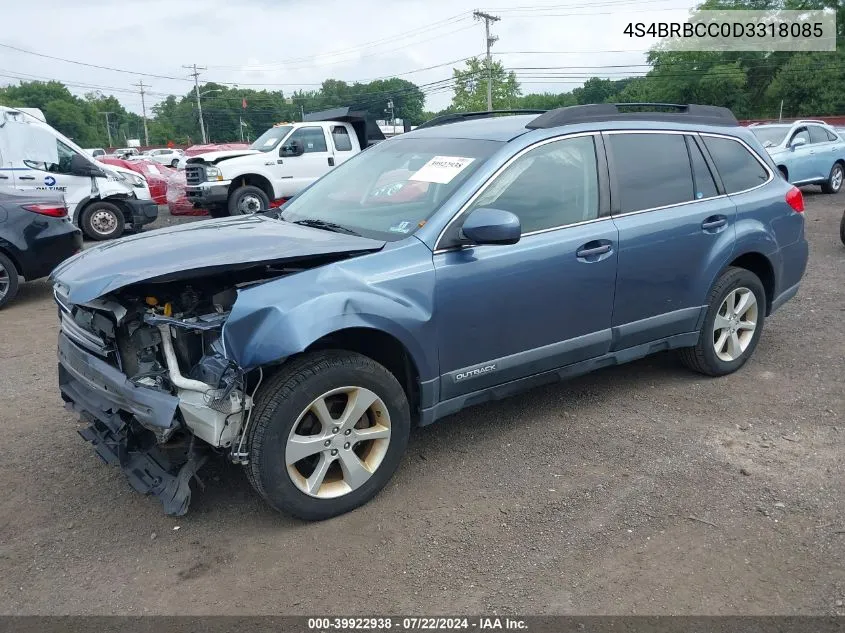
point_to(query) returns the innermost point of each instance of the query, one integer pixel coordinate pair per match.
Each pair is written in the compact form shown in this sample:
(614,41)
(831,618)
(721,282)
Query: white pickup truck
(279,164)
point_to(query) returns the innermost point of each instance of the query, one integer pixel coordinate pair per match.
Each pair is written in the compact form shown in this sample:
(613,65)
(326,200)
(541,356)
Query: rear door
(824,150)
(302,170)
(344,142)
(675,228)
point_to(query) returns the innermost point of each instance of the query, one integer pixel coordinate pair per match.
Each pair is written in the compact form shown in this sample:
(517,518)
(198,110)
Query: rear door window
(340,138)
(705,185)
(652,170)
(818,134)
(738,168)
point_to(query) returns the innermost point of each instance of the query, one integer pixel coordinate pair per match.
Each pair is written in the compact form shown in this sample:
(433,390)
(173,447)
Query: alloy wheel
(836,178)
(338,442)
(5,281)
(735,324)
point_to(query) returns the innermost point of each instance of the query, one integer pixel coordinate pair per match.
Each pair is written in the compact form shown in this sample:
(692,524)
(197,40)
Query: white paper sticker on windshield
(270,141)
(441,169)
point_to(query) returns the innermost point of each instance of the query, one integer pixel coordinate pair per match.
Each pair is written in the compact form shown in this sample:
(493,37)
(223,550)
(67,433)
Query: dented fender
(277,319)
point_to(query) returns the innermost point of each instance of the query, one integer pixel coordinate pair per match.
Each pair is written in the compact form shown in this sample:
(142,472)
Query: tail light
(53,210)
(795,199)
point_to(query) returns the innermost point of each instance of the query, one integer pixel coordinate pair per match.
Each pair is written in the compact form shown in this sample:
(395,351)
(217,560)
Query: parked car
(155,180)
(126,152)
(96,152)
(279,164)
(35,157)
(465,261)
(165,156)
(35,235)
(805,152)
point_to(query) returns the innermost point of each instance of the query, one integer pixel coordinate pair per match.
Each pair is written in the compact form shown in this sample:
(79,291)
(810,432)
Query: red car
(152,171)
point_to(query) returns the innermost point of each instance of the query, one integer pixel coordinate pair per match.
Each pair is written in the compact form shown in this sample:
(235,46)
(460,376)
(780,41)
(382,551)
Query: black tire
(248,192)
(218,212)
(834,180)
(842,228)
(95,213)
(287,394)
(174,163)
(703,358)
(9,280)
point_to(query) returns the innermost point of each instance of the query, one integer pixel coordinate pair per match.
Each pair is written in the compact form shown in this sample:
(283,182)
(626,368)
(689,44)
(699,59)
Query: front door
(507,312)
(801,161)
(300,171)
(39,176)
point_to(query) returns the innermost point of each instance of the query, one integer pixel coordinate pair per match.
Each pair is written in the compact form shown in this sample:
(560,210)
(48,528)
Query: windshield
(271,138)
(390,190)
(770,136)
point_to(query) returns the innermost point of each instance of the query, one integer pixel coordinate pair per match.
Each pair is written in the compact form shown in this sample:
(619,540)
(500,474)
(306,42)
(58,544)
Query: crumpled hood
(216,157)
(207,246)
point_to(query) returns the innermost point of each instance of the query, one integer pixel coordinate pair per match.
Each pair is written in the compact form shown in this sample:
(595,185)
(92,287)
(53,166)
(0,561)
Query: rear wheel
(327,433)
(834,180)
(247,200)
(9,281)
(732,325)
(174,163)
(102,221)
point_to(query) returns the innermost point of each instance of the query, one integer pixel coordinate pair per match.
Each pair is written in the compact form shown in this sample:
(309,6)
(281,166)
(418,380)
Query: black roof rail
(454,117)
(670,112)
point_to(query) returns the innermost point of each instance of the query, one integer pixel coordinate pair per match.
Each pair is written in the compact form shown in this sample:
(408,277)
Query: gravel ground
(642,489)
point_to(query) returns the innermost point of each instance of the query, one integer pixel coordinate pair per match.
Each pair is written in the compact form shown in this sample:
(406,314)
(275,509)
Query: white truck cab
(279,164)
(35,157)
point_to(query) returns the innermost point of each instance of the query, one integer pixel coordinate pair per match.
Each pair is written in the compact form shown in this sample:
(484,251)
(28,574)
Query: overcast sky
(292,44)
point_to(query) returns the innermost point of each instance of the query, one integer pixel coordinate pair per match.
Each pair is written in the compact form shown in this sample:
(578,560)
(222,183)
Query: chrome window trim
(496,174)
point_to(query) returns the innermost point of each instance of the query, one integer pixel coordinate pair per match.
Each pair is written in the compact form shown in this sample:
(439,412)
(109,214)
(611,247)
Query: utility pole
(196,76)
(392,112)
(491,39)
(140,85)
(108,127)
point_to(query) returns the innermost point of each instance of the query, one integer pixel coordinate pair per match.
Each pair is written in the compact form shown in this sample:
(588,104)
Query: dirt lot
(641,489)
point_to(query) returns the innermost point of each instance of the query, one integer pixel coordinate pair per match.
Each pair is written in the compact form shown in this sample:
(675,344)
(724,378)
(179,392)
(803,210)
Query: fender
(275,320)
(76,213)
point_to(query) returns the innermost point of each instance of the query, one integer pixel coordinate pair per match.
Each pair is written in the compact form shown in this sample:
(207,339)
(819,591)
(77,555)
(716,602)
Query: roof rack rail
(454,117)
(810,121)
(671,112)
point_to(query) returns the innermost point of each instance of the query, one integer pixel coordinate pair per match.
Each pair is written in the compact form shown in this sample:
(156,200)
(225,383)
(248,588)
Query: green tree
(471,87)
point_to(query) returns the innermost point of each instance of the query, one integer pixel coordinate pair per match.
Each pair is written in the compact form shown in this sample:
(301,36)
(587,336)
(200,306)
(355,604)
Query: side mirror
(293,148)
(80,166)
(797,142)
(491,226)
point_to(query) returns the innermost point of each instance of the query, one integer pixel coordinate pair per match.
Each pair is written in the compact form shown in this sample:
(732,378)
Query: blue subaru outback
(475,257)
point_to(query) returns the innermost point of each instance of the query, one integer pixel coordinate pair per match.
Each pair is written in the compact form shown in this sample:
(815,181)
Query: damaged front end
(146,370)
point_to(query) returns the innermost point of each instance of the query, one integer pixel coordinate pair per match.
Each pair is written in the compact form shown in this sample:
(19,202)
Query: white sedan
(169,157)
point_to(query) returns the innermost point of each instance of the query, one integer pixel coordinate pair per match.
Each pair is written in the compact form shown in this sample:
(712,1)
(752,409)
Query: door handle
(331,161)
(714,222)
(592,251)
(4,178)
(27,178)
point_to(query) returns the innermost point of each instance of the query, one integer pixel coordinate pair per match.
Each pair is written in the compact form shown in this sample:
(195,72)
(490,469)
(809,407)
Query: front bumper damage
(105,399)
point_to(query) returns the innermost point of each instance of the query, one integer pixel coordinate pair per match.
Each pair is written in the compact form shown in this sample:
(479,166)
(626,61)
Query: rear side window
(739,169)
(340,137)
(705,186)
(831,136)
(818,134)
(652,170)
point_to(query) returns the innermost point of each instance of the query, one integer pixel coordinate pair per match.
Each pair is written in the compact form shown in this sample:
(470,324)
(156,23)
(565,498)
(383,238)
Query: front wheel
(327,433)
(732,326)
(174,163)
(842,228)
(102,221)
(247,200)
(834,181)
